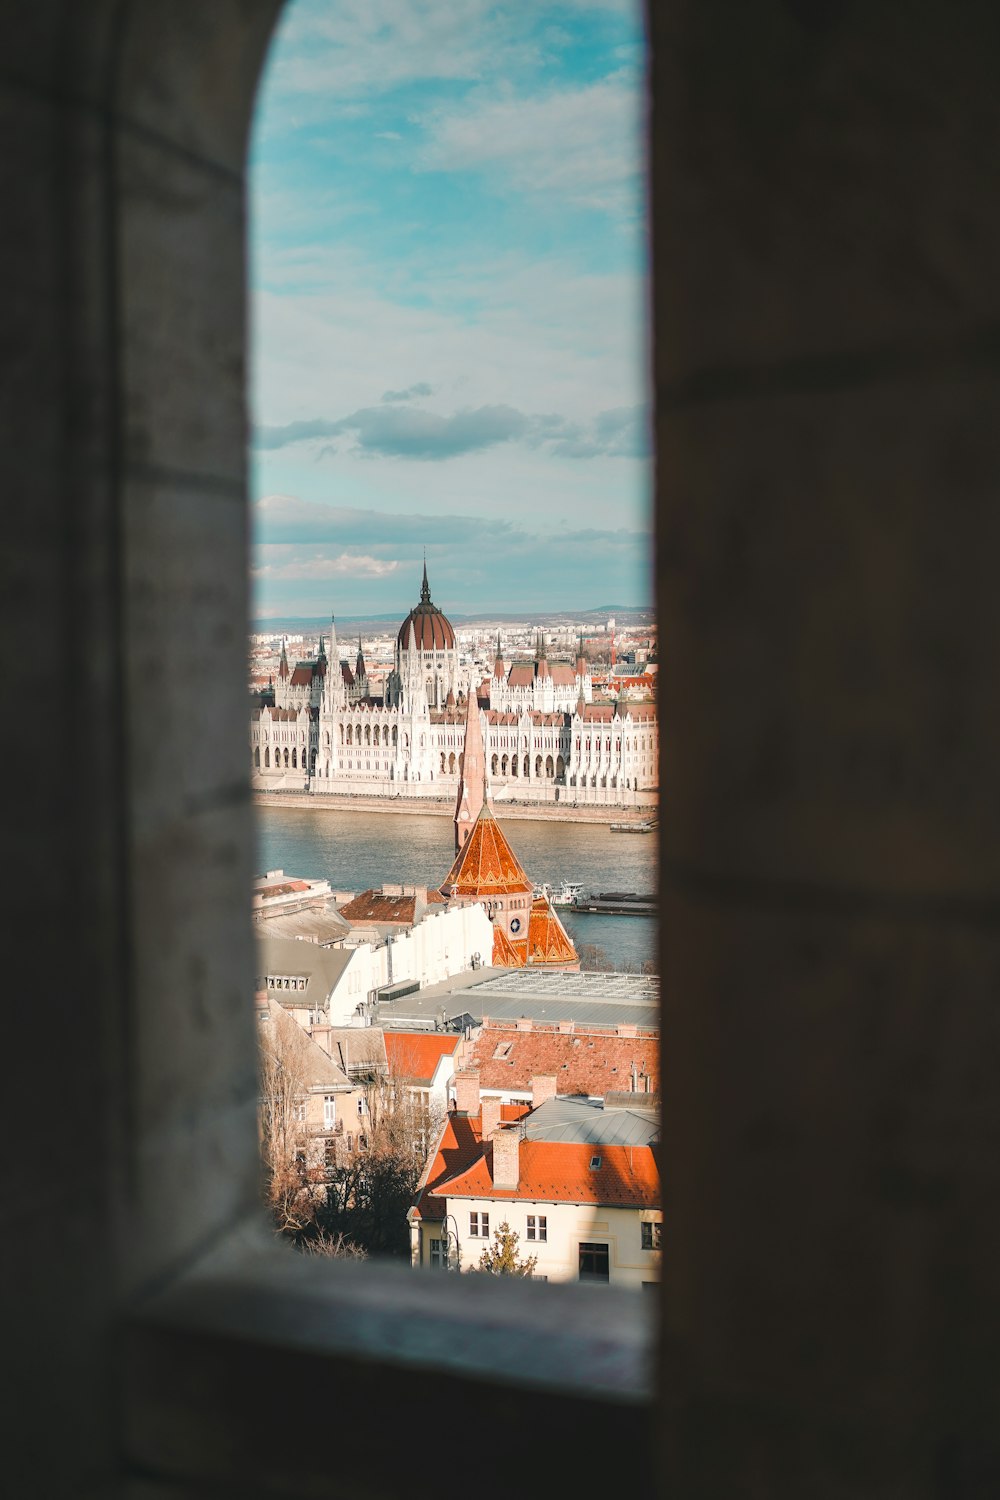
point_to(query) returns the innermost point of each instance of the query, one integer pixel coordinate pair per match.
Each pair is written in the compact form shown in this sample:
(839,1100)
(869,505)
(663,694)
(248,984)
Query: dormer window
(595,1163)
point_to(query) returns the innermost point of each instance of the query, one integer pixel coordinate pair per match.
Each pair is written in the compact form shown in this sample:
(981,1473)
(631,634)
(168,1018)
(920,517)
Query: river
(358,850)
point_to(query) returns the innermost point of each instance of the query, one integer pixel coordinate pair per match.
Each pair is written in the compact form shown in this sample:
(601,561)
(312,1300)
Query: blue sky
(448,308)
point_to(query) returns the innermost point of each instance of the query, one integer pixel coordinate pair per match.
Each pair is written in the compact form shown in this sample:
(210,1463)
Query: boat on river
(568,893)
(648,825)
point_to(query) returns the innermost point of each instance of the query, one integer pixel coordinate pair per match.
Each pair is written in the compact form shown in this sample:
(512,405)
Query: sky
(448,298)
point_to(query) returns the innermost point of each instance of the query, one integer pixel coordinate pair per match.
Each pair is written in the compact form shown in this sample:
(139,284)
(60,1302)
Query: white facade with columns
(545,738)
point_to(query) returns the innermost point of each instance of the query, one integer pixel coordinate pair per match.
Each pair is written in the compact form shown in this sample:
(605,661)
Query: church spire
(473,789)
(425,588)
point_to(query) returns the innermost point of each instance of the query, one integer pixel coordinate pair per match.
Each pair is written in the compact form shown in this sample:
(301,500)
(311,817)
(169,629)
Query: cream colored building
(575,1179)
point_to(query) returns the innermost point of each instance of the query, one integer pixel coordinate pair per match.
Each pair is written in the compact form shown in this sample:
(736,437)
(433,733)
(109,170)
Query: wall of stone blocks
(826,369)
(825,244)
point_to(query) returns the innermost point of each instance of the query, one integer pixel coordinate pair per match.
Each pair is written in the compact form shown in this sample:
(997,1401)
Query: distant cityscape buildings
(322,726)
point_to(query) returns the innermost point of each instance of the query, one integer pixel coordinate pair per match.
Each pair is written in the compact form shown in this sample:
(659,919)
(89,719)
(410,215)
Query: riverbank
(533,812)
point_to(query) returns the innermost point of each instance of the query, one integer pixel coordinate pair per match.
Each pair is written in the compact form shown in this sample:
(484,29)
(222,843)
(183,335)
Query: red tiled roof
(458,1146)
(562,674)
(416,1054)
(547,940)
(584,1063)
(505,955)
(302,676)
(372,906)
(486,864)
(558,1172)
(283,888)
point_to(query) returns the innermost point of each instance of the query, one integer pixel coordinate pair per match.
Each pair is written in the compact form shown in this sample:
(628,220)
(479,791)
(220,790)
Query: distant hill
(348,625)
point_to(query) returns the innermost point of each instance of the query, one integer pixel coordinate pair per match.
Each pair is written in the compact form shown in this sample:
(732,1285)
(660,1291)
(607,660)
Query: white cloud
(582,144)
(282,564)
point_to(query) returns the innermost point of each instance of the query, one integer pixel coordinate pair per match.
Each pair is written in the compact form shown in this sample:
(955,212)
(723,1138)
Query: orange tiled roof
(558,1172)
(583,1063)
(458,1146)
(416,1054)
(505,955)
(547,940)
(486,864)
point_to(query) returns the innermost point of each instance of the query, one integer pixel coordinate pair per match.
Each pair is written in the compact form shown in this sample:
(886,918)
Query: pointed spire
(425,588)
(498,670)
(283,663)
(473,790)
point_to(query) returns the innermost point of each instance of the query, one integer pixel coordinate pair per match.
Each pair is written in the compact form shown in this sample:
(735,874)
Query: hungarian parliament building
(318,729)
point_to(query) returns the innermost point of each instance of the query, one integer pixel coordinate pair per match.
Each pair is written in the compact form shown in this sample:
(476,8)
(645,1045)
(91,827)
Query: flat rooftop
(521,994)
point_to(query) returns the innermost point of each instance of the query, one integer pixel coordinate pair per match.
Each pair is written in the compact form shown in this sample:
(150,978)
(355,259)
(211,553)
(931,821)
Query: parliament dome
(432,629)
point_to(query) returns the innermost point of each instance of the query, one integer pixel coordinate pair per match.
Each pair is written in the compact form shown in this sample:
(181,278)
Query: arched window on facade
(368,734)
(286,757)
(256,757)
(550,769)
(451,763)
(295,762)
(538,765)
(350,734)
(494,765)
(267,757)
(376,733)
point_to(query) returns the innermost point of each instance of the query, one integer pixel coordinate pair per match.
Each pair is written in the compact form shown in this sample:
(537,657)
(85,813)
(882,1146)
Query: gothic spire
(425,588)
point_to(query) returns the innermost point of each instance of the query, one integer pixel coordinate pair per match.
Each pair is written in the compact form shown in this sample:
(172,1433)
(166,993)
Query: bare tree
(288,1193)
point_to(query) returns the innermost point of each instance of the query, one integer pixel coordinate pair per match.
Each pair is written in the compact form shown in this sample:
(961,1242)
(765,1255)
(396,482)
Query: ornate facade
(319,729)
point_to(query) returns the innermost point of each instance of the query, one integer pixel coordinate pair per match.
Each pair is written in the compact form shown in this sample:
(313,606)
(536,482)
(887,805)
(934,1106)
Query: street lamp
(446,1243)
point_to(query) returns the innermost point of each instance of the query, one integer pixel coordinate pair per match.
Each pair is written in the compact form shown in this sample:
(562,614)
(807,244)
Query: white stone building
(318,730)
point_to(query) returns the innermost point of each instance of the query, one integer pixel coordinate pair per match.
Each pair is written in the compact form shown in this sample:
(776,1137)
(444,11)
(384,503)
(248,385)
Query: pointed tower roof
(498,666)
(486,865)
(472,790)
(283,664)
(541,659)
(359,665)
(433,631)
(547,939)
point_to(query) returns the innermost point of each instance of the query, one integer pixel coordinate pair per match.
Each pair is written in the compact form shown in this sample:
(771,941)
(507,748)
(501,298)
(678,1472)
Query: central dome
(432,629)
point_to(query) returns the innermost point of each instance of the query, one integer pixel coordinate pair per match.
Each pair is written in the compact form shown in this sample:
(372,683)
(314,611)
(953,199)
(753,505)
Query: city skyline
(449,332)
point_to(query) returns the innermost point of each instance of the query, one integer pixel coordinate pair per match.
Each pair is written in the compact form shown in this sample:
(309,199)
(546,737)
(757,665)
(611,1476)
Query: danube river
(358,850)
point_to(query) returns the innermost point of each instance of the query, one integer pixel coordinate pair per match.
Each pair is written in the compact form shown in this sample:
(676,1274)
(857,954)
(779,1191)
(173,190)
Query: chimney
(507,1157)
(635,1078)
(491,1115)
(467,1093)
(566,1028)
(525,1023)
(622,1030)
(543,1087)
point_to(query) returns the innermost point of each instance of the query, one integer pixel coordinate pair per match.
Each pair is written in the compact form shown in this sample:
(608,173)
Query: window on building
(538,1227)
(651,1236)
(479,1226)
(438,1257)
(299,1111)
(329,1111)
(595,1163)
(594,1262)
